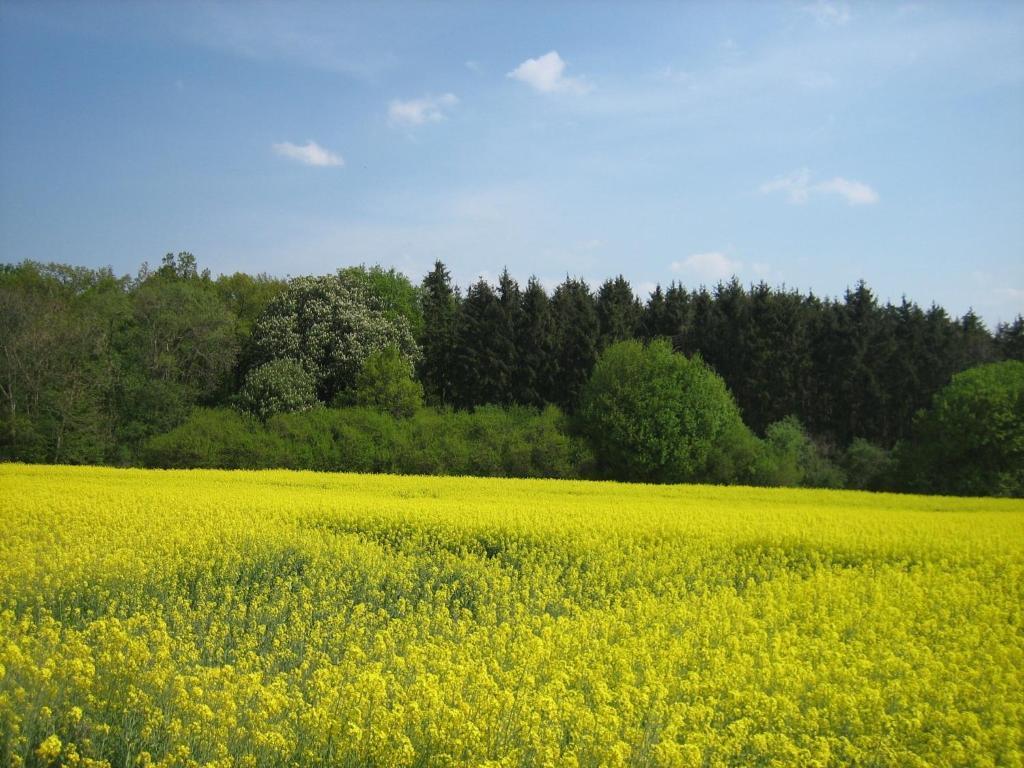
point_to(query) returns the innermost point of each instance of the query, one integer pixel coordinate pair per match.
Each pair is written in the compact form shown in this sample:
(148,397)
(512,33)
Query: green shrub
(654,415)
(792,458)
(869,467)
(491,441)
(387,383)
(214,439)
(971,440)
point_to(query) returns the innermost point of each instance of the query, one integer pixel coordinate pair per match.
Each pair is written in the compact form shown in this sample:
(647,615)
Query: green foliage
(868,467)
(491,441)
(386,383)
(280,386)
(971,441)
(331,325)
(214,438)
(58,369)
(618,312)
(576,335)
(536,377)
(484,349)
(794,459)
(439,305)
(1009,339)
(654,415)
(395,292)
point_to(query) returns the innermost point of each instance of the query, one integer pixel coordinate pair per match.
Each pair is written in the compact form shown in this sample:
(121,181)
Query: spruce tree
(440,303)
(536,347)
(618,312)
(483,349)
(510,301)
(576,339)
(1009,339)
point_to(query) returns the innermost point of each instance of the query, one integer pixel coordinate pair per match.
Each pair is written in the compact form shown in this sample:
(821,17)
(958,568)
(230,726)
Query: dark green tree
(619,312)
(536,374)
(510,301)
(576,338)
(440,303)
(971,440)
(1010,339)
(483,349)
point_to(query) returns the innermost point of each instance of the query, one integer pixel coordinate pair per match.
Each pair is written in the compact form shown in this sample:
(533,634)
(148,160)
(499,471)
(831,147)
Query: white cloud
(855,192)
(710,266)
(474,66)
(798,186)
(829,13)
(1014,294)
(426,109)
(795,185)
(309,153)
(547,74)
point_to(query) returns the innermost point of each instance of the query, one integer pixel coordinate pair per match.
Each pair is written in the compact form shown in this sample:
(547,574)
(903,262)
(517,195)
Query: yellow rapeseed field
(290,619)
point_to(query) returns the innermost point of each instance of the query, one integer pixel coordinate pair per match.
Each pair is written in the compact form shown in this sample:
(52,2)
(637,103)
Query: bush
(213,439)
(791,458)
(971,440)
(386,383)
(281,386)
(491,441)
(654,415)
(869,467)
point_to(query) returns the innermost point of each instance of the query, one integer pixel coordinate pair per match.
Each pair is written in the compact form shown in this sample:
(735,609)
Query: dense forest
(128,370)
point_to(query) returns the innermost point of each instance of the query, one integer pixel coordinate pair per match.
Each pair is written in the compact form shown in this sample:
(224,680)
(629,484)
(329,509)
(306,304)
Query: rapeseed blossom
(255,619)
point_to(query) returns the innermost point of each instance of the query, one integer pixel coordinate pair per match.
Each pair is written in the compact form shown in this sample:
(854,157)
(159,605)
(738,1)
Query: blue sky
(809,144)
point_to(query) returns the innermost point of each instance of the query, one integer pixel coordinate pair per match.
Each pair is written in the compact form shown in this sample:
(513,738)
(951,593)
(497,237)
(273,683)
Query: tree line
(846,368)
(94,366)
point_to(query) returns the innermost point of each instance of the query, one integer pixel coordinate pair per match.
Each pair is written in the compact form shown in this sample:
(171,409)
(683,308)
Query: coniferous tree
(440,303)
(778,363)
(1009,339)
(618,312)
(510,300)
(536,348)
(483,349)
(576,339)
(976,346)
(652,320)
(678,314)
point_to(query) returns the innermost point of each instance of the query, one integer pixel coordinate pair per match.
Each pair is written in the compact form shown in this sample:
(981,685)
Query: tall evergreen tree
(777,363)
(440,302)
(618,312)
(1009,339)
(576,339)
(536,345)
(483,349)
(652,320)
(678,314)
(976,345)
(510,300)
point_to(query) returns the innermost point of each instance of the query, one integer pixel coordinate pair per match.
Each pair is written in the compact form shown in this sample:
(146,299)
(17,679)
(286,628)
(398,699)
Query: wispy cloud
(829,13)
(309,153)
(710,266)
(547,74)
(799,186)
(426,109)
